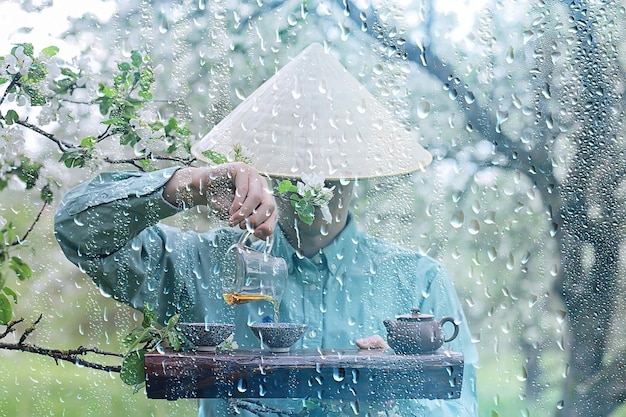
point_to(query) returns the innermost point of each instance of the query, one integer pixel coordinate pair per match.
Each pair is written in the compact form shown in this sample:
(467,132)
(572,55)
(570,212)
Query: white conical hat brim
(312,116)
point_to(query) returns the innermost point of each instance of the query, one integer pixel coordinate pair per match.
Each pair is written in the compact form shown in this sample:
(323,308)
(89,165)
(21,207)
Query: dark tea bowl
(278,337)
(206,336)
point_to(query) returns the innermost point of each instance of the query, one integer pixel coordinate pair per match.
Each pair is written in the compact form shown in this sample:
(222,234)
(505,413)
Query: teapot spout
(388,324)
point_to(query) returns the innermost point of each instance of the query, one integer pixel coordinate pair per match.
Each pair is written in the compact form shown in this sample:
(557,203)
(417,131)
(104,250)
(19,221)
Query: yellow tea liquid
(234,299)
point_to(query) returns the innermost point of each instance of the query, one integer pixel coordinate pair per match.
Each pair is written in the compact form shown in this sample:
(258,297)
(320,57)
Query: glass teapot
(257,275)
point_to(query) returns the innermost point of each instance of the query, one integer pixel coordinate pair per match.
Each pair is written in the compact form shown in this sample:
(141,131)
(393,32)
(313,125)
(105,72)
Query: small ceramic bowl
(206,336)
(278,337)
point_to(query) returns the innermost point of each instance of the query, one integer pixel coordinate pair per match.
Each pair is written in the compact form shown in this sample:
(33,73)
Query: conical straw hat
(312,116)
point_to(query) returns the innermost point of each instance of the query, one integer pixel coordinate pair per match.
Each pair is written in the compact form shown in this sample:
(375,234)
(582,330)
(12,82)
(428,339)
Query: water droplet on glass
(501,117)
(423,109)
(510,262)
(242,385)
(457,219)
(510,55)
(241,95)
(339,374)
(164,26)
(474,227)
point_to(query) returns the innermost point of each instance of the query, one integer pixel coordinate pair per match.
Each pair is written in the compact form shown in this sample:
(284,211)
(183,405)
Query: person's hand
(372,342)
(235,192)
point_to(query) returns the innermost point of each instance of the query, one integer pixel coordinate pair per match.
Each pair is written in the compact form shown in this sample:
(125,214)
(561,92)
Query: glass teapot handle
(269,242)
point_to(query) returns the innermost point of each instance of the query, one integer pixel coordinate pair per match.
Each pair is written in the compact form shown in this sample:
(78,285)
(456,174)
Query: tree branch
(63,146)
(30,229)
(72,355)
(15,81)
(135,161)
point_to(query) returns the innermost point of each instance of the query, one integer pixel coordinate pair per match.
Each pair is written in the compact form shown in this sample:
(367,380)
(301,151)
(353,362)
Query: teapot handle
(268,243)
(456,327)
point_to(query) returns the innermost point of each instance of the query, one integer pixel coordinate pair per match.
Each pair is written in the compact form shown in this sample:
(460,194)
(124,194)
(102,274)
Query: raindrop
(457,219)
(555,56)
(345,32)
(242,385)
(545,90)
(354,405)
(510,262)
(292,19)
(470,97)
(339,374)
(553,229)
(423,109)
(560,404)
(492,254)
(241,95)
(378,69)
(510,55)
(452,94)
(164,26)
(474,227)
(501,117)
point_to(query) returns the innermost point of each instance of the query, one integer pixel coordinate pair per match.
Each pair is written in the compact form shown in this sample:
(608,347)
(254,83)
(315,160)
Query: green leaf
(173,321)
(285,186)
(36,98)
(6,311)
(130,139)
(133,371)
(28,172)
(11,117)
(107,91)
(11,293)
(114,122)
(21,268)
(135,58)
(139,335)
(123,66)
(215,157)
(146,95)
(75,158)
(171,126)
(50,51)
(89,142)
(149,316)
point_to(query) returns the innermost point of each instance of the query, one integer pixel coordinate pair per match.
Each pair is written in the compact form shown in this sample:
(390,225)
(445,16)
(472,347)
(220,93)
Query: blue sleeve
(109,227)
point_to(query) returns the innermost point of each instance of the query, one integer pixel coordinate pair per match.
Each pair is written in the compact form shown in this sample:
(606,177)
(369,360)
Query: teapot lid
(415,316)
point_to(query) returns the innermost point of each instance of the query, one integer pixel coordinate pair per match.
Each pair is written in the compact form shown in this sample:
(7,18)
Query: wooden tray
(329,374)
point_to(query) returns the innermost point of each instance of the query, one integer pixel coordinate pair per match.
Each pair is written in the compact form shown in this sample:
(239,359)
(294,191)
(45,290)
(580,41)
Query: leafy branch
(125,103)
(73,355)
(148,338)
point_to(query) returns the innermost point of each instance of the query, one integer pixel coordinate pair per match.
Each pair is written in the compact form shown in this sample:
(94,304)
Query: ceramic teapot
(417,333)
